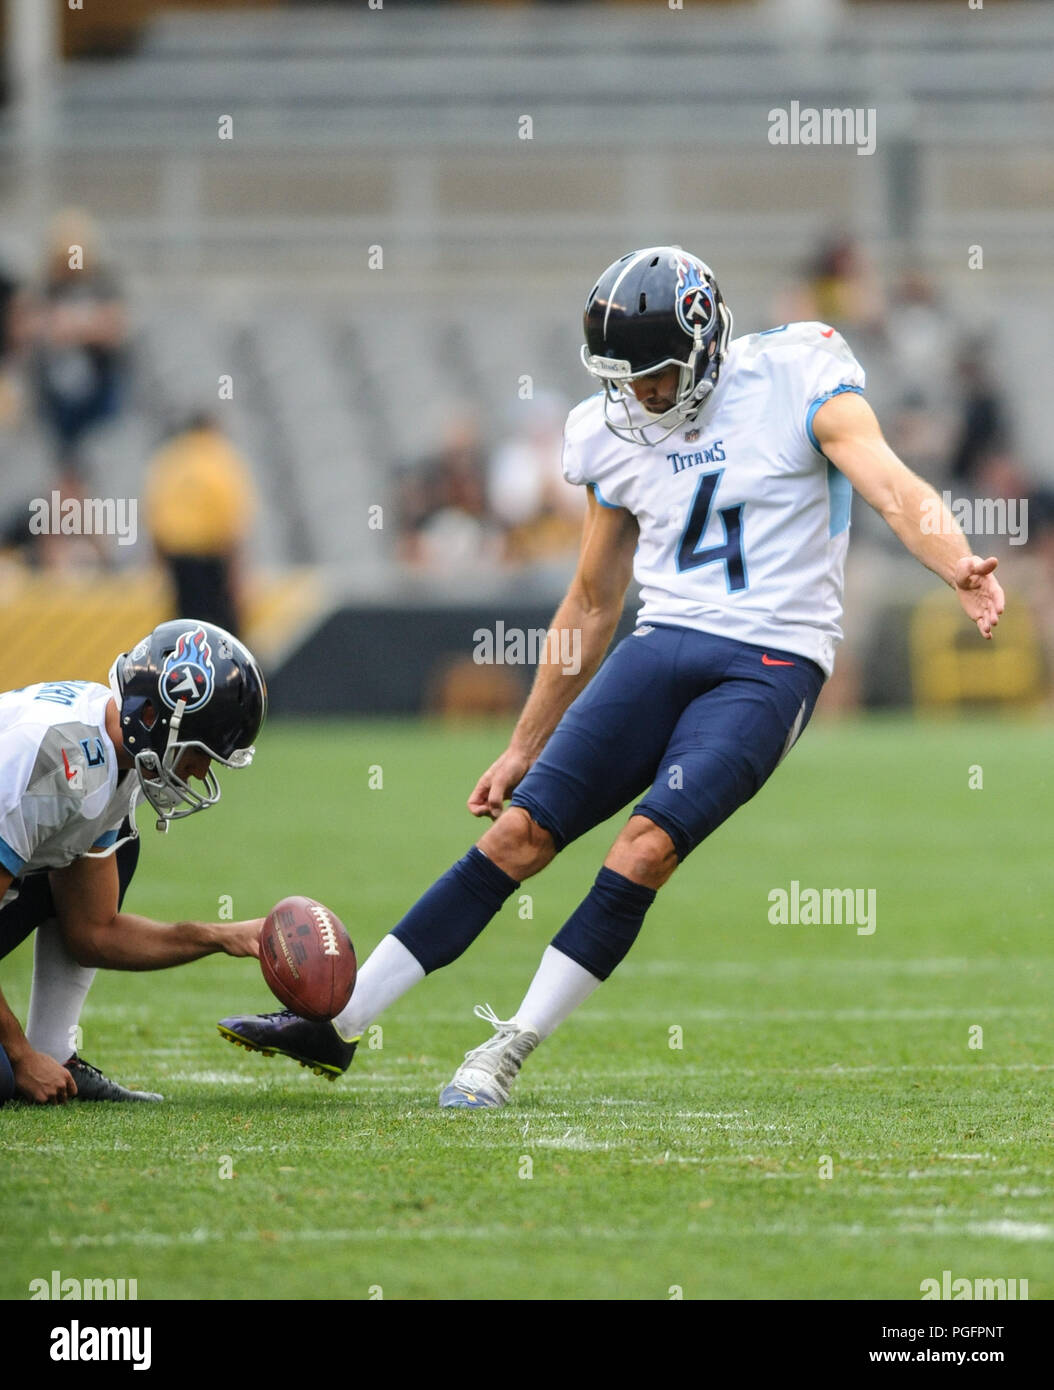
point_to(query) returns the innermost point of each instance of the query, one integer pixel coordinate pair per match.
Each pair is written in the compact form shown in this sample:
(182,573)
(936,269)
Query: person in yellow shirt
(200,504)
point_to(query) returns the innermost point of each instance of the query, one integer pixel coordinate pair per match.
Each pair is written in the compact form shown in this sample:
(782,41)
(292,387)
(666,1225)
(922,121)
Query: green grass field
(649,1166)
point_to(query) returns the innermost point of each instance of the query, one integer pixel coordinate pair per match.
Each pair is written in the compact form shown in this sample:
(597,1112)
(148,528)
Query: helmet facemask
(172,796)
(704,336)
(152,725)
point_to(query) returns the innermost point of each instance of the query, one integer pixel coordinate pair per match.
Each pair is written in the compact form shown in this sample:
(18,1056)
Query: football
(307,958)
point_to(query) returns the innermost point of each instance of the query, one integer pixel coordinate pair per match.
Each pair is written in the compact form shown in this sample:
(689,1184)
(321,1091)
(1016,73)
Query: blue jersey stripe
(612,506)
(822,400)
(839,488)
(10,860)
(839,500)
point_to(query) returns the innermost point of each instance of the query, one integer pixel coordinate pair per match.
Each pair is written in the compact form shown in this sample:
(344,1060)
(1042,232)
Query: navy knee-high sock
(446,919)
(605,924)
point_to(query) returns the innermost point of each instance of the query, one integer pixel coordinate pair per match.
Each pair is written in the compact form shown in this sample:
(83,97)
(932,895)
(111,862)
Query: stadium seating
(248,256)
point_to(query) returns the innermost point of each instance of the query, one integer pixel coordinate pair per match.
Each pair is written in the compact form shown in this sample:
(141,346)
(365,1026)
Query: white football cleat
(483,1079)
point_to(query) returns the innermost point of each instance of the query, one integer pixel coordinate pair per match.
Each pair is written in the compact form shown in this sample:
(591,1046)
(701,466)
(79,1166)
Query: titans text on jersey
(720,473)
(743,532)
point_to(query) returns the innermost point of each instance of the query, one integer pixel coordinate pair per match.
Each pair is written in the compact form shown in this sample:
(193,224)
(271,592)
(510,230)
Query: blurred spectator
(841,288)
(1002,477)
(76,327)
(920,434)
(982,430)
(9,396)
(200,502)
(527,491)
(19,320)
(1036,575)
(924,335)
(15,539)
(444,521)
(911,382)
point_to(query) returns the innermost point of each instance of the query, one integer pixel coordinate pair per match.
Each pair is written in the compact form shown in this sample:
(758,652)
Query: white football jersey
(59,790)
(744,524)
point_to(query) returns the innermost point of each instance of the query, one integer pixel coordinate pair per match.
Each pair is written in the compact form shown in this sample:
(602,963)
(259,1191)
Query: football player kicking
(720,474)
(74,758)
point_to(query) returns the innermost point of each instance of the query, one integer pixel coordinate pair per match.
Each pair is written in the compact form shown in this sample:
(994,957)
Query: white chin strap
(157,790)
(170,796)
(133,800)
(156,780)
(620,405)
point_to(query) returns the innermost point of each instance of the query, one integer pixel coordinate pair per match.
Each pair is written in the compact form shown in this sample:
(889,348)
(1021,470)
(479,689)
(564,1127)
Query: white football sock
(59,989)
(388,973)
(560,984)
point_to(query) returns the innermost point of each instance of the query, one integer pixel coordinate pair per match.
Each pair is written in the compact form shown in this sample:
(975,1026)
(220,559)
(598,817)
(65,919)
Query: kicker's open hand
(980,593)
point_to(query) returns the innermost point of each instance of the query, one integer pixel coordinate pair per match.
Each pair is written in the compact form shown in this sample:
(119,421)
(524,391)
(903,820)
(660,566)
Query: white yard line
(713,1229)
(976,1013)
(700,1070)
(809,968)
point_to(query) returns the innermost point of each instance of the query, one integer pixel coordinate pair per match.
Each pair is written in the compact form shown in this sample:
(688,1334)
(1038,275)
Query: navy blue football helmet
(188,685)
(653,309)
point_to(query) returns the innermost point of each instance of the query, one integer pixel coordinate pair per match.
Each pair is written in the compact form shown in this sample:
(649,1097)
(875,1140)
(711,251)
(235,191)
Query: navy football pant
(696,722)
(35,904)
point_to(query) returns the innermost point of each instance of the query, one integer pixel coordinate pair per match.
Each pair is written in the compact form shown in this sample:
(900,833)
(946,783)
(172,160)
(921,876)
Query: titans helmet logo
(188,673)
(695,299)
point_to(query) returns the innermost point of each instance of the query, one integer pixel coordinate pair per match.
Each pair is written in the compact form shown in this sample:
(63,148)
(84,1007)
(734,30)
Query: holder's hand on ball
(242,938)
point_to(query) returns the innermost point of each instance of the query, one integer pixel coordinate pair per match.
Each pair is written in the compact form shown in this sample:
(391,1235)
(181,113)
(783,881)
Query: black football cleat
(92,1085)
(315,1045)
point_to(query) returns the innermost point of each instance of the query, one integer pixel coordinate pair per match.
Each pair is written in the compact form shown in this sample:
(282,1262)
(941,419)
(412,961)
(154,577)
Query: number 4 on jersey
(690,556)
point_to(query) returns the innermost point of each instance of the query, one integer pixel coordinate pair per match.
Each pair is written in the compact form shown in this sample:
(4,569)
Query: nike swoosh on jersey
(74,775)
(767,660)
